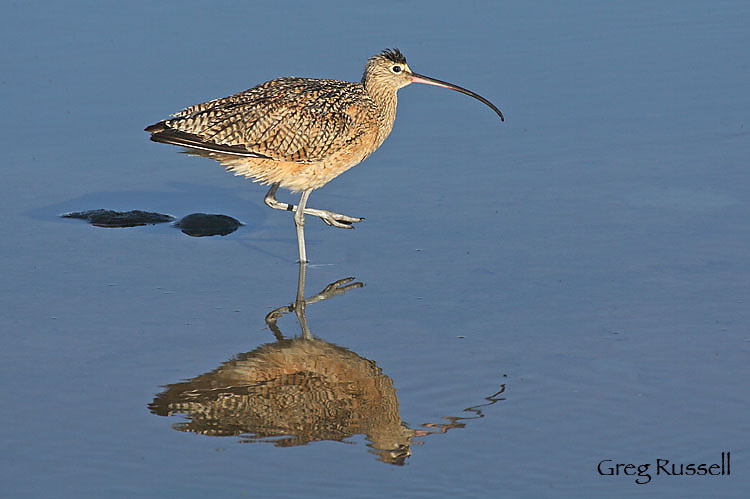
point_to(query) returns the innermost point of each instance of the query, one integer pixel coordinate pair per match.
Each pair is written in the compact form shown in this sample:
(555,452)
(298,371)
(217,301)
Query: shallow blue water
(590,256)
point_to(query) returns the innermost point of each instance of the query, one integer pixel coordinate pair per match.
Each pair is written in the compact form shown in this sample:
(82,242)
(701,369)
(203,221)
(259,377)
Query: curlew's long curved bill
(417,78)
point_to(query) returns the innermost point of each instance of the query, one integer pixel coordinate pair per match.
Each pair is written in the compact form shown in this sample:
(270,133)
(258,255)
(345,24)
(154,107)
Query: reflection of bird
(293,392)
(299,133)
(301,390)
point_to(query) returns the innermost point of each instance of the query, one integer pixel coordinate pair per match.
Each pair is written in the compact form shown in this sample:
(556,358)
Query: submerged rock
(202,224)
(114,219)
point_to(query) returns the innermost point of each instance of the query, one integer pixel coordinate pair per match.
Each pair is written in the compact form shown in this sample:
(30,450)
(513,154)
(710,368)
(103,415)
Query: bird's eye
(396,69)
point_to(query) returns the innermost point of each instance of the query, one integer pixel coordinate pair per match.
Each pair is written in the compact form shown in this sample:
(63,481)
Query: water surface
(589,258)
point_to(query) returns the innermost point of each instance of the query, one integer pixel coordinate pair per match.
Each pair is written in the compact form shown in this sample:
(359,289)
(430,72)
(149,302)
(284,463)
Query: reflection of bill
(301,390)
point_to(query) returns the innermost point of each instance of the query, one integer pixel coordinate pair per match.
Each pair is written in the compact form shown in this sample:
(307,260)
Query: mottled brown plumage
(299,133)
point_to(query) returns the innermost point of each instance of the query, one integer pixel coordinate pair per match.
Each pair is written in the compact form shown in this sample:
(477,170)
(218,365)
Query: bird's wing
(289,119)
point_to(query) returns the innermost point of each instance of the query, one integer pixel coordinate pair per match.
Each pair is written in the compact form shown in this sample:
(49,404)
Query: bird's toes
(336,222)
(340,221)
(348,220)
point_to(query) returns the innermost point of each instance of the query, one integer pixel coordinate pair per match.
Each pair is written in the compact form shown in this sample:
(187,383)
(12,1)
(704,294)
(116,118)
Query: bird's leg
(329,217)
(274,203)
(299,222)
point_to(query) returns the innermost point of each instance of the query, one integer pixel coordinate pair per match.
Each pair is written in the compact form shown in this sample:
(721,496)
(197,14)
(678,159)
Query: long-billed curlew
(299,133)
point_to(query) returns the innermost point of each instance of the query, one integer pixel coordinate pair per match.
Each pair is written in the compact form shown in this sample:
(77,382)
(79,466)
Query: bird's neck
(386,100)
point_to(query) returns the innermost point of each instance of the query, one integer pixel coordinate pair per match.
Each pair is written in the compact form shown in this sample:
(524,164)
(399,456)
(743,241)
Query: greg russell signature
(665,467)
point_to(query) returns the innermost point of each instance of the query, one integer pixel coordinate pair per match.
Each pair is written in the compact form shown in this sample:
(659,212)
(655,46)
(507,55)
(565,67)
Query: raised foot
(329,217)
(334,219)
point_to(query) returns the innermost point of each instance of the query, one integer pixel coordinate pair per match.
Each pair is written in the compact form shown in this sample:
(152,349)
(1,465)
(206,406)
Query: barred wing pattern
(287,119)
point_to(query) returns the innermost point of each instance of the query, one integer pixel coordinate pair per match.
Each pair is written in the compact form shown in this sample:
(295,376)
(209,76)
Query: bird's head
(389,69)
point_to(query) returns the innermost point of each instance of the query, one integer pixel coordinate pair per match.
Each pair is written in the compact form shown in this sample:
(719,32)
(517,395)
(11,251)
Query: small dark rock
(110,218)
(202,224)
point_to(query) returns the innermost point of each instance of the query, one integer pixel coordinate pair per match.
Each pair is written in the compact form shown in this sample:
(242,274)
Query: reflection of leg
(301,283)
(334,289)
(329,217)
(300,303)
(275,315)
